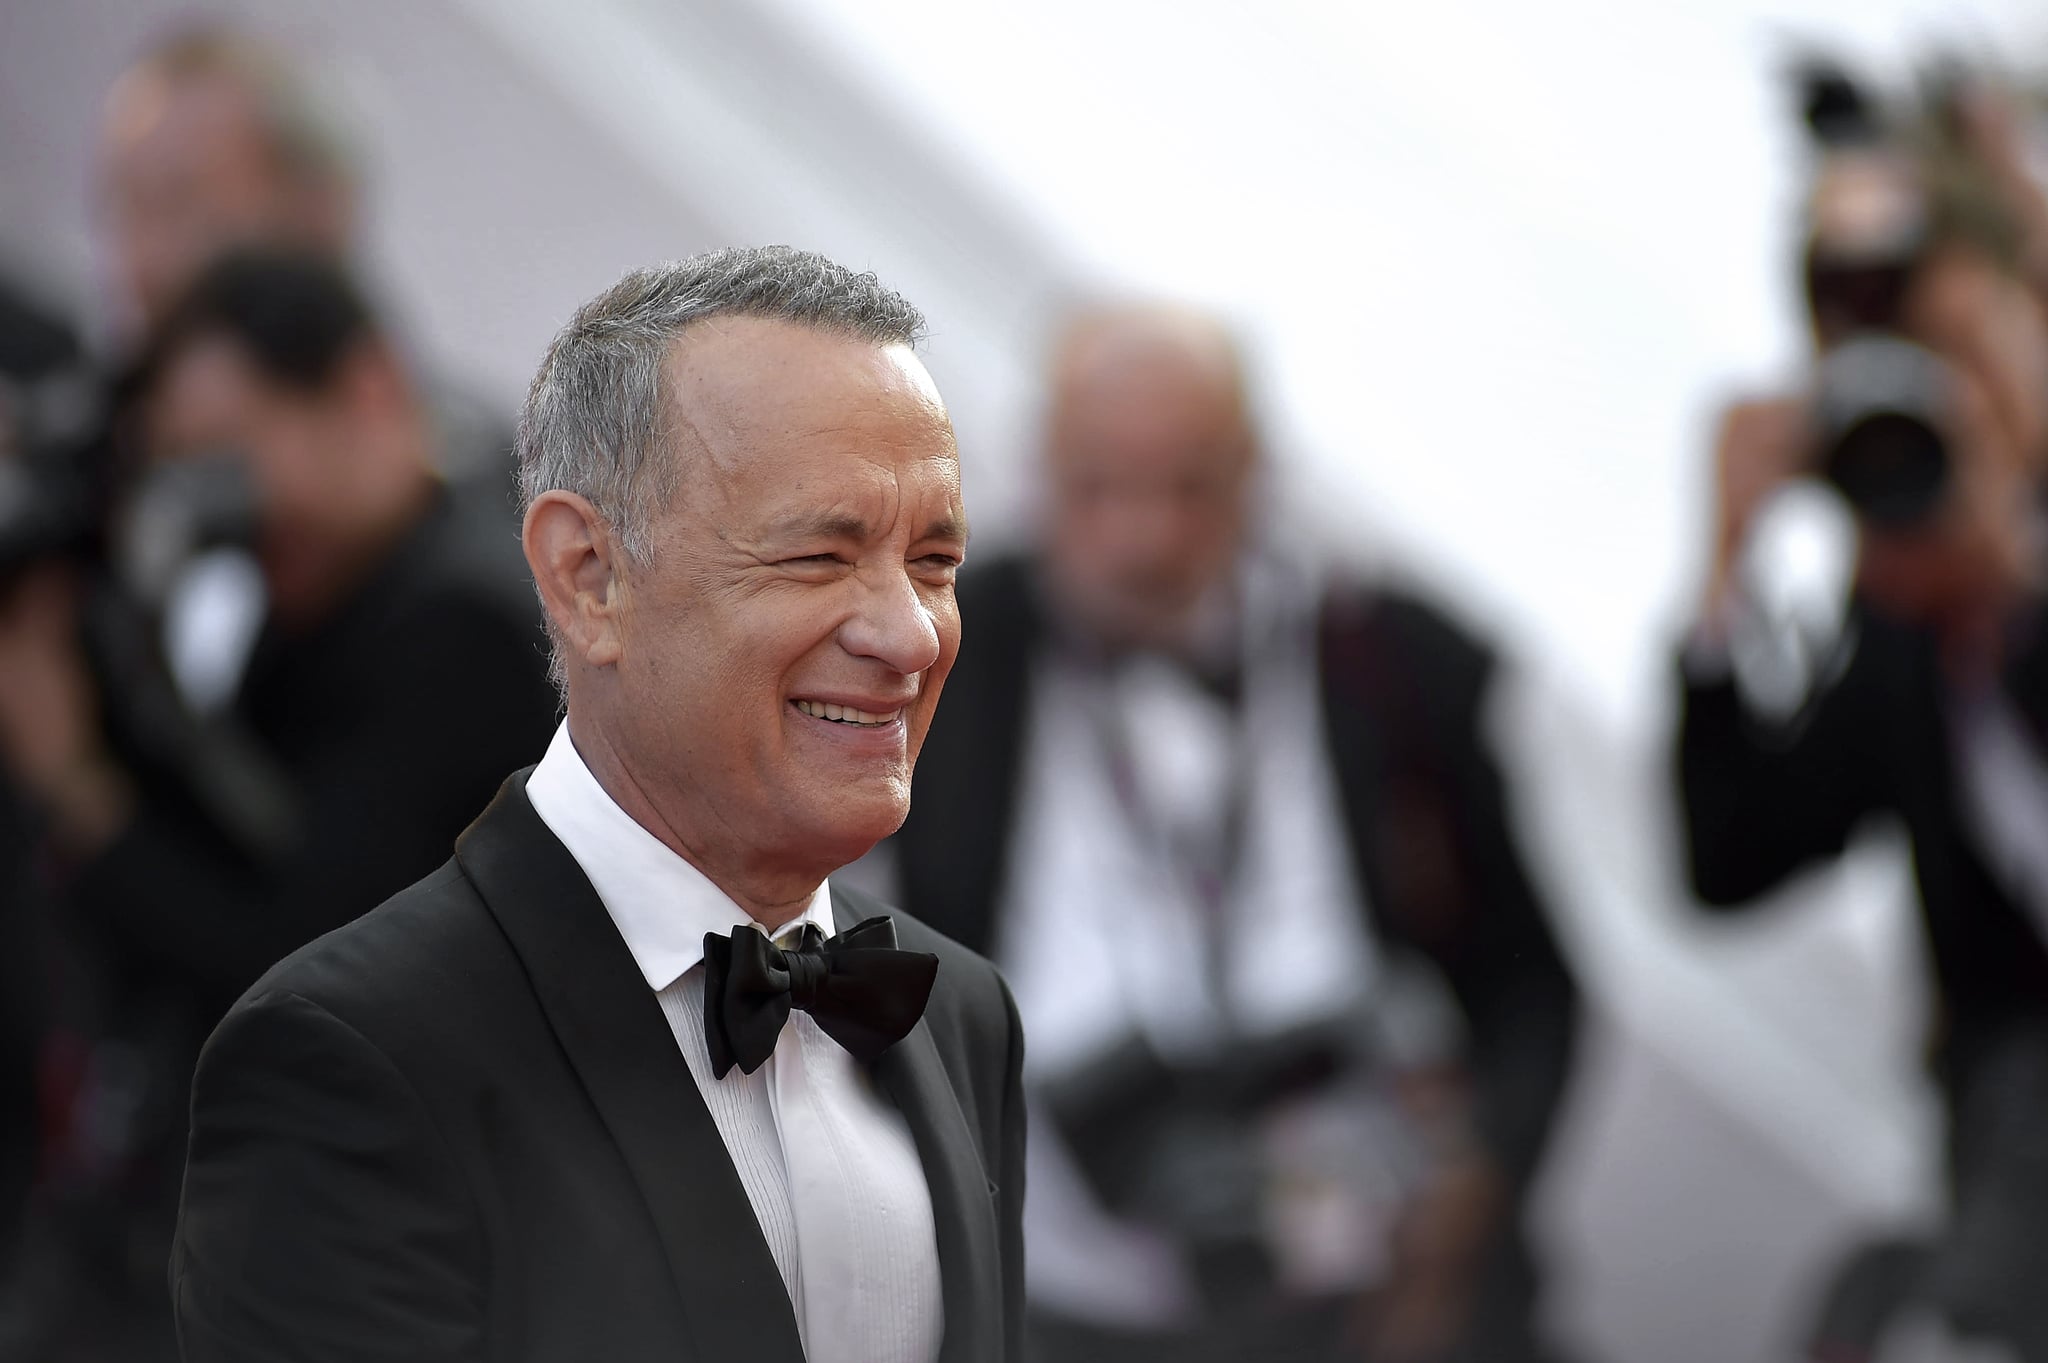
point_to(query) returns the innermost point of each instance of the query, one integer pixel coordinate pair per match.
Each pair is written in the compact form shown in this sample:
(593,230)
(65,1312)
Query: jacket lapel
(914,1077)
(617,1038)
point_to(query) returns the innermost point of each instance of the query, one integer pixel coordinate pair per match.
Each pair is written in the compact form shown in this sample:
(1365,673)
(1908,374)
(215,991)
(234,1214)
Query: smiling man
(627,1078)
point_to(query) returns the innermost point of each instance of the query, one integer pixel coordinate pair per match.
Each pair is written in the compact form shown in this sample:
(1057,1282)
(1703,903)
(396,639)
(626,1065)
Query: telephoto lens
(1883,409)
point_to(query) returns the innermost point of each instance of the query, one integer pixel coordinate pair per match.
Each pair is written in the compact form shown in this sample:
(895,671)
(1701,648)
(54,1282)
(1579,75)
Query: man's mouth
(847,714)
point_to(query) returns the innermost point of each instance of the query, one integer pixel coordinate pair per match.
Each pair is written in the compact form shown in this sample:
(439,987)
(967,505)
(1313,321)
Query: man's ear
(581,576)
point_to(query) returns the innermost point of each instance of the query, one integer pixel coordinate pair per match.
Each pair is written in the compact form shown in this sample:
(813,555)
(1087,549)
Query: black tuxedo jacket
(1761,800)
(460,1128)
(1424,811)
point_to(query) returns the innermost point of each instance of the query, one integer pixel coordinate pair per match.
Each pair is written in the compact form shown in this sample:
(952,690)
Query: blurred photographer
(40,363)
(272,372)
(1927,411)
(397,675)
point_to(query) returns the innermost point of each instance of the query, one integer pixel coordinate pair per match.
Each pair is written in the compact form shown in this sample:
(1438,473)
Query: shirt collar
(661,904)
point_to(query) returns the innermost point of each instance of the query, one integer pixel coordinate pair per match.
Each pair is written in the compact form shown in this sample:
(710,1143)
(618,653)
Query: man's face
(297,448)
(1150,467)
(784,648)
(188,173)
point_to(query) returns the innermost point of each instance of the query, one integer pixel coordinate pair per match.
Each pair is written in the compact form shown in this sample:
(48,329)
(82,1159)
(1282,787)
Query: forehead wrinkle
(858,422)
(698,398)
(733,420)
(842,518)
(702,450)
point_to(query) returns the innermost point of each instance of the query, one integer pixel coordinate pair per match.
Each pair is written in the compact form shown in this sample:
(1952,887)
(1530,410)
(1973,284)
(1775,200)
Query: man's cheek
(934,682)
(920,718)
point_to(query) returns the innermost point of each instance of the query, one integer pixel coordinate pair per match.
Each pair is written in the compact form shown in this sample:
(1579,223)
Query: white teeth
(845,714)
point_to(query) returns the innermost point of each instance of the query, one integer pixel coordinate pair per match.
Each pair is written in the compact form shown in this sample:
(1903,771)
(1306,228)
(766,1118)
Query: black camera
(70,489)
(56,448)
(1883,406)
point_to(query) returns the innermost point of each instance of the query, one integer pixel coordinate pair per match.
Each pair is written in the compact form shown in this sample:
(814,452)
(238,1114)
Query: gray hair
(597,410)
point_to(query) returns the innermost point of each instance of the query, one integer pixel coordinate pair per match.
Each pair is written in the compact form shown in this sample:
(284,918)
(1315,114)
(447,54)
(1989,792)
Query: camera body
(71,490)
(1884,406)
(56,447)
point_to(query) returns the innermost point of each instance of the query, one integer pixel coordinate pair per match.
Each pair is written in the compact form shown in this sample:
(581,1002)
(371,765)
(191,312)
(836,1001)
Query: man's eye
(939,563)
(813,560)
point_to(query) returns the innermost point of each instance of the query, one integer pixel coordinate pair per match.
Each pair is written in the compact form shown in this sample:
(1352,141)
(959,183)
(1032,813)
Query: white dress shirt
(828,1164)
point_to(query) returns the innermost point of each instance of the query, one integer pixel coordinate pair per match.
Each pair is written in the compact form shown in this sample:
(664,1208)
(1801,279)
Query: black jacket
(1761,800)
(460,1128)
(1402,693)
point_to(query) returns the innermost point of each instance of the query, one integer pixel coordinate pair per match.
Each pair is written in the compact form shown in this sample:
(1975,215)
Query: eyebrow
(844,525)
(830,525)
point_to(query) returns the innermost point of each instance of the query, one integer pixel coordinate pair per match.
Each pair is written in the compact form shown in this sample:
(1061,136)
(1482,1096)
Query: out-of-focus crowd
(1227,816)
(266,649)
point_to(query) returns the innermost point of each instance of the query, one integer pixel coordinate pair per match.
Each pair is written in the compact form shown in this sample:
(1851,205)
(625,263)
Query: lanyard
(1206,867)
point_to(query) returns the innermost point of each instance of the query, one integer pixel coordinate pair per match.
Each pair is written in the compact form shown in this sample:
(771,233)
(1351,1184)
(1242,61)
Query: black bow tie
(863,992)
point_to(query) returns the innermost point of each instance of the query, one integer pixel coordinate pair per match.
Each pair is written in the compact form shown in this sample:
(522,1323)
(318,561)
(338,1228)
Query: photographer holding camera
(396,675)
(1928,413)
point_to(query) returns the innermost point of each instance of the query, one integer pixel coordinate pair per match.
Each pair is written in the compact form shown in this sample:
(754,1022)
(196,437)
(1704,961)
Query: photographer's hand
(1761,444)
(1443,1235)
(1439,1245)
(1992,129)
(50,739)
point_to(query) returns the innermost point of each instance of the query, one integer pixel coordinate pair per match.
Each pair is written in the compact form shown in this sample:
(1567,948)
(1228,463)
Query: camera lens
(1891,466)
(1883,413)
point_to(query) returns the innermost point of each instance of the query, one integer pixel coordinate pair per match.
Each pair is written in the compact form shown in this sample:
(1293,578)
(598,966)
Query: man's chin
(849,830)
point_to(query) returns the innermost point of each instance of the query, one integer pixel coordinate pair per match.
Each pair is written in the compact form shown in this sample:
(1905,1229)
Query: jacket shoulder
(429,950)
(1409,619)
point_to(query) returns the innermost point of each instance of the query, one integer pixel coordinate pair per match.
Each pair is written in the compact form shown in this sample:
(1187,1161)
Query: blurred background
(1494,271)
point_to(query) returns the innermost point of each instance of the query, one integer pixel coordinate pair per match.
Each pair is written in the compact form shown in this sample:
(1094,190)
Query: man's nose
(892,624)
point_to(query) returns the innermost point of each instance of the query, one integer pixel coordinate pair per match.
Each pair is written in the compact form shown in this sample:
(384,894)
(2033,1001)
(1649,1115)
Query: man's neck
(772,895)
